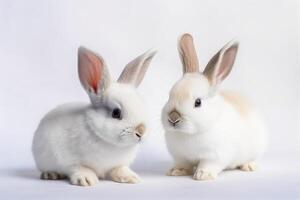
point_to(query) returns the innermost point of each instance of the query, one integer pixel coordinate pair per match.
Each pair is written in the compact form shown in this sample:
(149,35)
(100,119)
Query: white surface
(38,46)
(275,181)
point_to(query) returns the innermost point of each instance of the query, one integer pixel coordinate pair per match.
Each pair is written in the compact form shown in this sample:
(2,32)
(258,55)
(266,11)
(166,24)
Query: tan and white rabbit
(208,130)
(85,142)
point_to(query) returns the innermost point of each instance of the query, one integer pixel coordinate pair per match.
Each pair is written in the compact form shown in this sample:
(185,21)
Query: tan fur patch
(239,102)
(140,129)
(123,174)
(180,95)
(188,54)
(182,91)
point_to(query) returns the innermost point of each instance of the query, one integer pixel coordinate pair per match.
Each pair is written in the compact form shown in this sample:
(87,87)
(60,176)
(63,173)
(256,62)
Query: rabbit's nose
(174,117)
(140,130)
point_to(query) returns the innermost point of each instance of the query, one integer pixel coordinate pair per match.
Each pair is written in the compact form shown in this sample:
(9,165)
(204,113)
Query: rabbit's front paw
(179,172)
(251,166)
(124,175)
(202,175)
(84,177)
(52,176)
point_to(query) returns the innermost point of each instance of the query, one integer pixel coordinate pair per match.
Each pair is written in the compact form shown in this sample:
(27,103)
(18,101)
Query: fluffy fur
(83,141)
(224,132)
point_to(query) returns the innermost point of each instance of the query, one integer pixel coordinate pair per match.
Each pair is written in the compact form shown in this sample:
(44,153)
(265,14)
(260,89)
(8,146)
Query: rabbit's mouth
(182,126)
(129,134)
(174,123)
(174,126)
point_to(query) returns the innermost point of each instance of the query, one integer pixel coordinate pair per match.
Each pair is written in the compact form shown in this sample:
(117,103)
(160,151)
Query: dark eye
(197,102)
(116,113)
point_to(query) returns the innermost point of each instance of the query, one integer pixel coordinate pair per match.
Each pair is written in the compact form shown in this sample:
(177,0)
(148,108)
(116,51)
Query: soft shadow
(156,167)
(153,168)
(26,173)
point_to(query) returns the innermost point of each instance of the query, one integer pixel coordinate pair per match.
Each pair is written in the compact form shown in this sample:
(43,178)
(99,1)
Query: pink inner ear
(226,63)
(222,69)
(90,70)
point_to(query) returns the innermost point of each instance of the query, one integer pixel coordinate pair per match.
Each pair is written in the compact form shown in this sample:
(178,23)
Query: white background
(38,49)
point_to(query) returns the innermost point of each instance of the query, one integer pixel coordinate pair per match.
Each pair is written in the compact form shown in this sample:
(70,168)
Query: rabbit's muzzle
(140,130)
(174,117)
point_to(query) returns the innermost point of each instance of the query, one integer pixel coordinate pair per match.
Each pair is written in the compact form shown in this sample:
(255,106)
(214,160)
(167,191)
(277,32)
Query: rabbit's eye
(116,113)
(197,102)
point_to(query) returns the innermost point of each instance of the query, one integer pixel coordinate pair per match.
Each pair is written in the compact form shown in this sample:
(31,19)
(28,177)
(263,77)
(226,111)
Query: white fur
(85,142)
(75,135)
(212,137)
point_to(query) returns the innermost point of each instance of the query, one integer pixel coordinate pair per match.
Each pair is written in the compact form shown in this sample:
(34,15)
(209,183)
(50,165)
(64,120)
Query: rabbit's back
(63,139)
(55,138)
(244,126)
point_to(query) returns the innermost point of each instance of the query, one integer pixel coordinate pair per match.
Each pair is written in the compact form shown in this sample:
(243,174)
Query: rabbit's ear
(221,64)
(188,54)
(93,74)
(134,71)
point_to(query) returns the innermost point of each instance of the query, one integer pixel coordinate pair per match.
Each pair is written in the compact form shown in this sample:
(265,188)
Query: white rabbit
(85,142)
(208,130)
